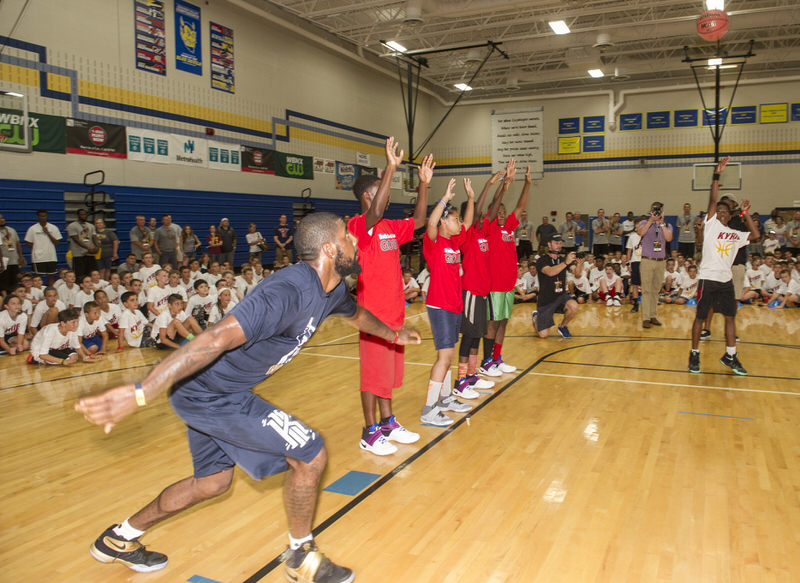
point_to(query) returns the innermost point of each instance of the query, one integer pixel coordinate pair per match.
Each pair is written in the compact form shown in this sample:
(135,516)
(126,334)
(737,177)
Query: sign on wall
(294,166)
(148,146)
(95,139)
(224,156)
(221,57)
(258,160)
(47,131)
(518,135)
(150,36)
(188,40)
(345,175)
(188,151)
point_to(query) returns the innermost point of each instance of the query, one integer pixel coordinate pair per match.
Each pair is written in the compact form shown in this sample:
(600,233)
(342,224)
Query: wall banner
(47,131)
(95,139)
(294,166)
(569,145)
(188,151)
(685,118)
(258,160)
(150,34)
(221,57)
(188,39)
(346,175)
(148,146)
(224,156)
(324,166)
(518,135)
(630,122)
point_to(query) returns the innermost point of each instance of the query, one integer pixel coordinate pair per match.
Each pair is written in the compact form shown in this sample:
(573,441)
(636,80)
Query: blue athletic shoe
(564,331)
(774,304)
(691,302)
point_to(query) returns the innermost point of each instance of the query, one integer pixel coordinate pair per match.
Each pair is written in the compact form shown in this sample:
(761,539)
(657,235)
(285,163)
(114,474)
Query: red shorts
(382,365)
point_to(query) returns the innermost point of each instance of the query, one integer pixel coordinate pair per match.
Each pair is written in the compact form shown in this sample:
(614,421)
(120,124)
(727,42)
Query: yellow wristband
(140,398)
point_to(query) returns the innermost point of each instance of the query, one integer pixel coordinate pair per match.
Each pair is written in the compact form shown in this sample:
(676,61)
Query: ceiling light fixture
(463,87)
(596,73)
(715,5)
(559,26)
(394,45)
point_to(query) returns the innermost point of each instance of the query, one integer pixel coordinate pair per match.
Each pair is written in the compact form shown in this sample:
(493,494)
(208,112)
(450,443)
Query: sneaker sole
(695,371)
(98,555)
(488,373)
(741,374)
(404,440)
(367,447)
(293,579)
(429,424)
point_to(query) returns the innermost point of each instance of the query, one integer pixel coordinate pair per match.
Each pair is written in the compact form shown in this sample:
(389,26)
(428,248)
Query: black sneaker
(694,361)
(733,362)
(635,308)
(705,334)
(308,565)
(112,548)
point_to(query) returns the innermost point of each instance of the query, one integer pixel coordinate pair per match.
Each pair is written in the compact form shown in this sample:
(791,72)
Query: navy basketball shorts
(445,326)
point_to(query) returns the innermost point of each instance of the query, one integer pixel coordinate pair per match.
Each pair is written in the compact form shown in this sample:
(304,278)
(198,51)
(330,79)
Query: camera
(657,209)
(580,255)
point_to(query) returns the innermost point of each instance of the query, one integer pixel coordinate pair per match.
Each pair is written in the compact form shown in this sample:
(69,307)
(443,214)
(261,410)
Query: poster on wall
(224,156)
(324,166)
(188,151)
(221,57)
(148,146)
(95,139)
(346,175)
(188,40)
(47,131)
(151,43)
(518,135)
(258,160)
(294,166)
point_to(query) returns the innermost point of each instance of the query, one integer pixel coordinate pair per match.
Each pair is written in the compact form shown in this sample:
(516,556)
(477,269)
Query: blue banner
(594,143)
(709,119)
(188,40)
(795,111)
(685,118)
(569,125)
(594,123)
(630,122)
(657,120)
(744,114)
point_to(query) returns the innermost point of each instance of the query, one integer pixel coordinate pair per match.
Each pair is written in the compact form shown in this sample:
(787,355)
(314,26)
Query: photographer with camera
(553,294)
(656,235)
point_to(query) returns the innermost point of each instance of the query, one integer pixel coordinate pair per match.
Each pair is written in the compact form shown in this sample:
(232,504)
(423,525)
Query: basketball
(712,24)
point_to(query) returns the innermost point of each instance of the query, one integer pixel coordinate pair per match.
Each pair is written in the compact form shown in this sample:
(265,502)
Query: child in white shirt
(133,326)
(92,329)
(13,324)
(174,325)
(59,343)
(688,288)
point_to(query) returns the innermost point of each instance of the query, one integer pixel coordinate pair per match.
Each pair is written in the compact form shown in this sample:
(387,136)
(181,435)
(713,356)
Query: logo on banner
(188,147)
(97,135)
(294,166)
(188,35)
(258,158)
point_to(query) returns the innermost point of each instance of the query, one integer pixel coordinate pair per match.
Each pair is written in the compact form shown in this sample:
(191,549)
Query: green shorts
(499,305)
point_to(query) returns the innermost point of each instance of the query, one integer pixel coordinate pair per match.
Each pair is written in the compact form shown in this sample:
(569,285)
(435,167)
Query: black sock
(488,347)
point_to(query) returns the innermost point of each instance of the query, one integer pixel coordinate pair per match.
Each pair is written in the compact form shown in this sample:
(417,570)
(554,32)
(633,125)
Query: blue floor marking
(199,579)
(352,483)
(713,415)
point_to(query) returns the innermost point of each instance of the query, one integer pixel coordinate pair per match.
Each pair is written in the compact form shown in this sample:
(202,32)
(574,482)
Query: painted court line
(567,376)
(715,415)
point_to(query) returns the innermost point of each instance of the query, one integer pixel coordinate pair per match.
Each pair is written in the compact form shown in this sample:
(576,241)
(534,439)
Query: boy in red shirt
(380,290)
(503,268)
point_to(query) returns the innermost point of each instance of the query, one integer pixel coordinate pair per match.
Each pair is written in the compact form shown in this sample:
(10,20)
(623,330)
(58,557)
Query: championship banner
(221,57)
(188,151)
(148,146)
(345,175)
(47,131)
(258,160)
(150,32)
(224,156)
(188,40)
(294,166)
(324,166)
(95,139)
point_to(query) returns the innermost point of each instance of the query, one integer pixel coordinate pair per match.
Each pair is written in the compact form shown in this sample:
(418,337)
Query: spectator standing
(615,234)
(686,233)
(656,234)
(792,234)
(523,235)
(569,233)
(214,243)
(284,234)
(628,226)
(544,232)
(600,229)
(189,244)
(82,245)
(12,252)
(42,238)
(165,242)
(141,238)
(257,243)
(580,233)
(227,236)
(109,248)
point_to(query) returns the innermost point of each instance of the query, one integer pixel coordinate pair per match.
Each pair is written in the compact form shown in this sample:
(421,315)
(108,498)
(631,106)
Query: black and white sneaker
(733,362)
(308,565)
(694,361)
(705,334)
(112,548)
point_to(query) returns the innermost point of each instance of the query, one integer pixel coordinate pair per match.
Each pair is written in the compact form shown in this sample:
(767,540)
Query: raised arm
(425,173)
(109,408)
(469,214)
(751,224)
(364,320)
(713,193)
(381,199)
(438,209)
(522,202)
(511,170)
(494,179)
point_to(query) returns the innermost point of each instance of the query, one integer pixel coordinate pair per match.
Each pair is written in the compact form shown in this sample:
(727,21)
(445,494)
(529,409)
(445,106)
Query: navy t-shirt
(277,317)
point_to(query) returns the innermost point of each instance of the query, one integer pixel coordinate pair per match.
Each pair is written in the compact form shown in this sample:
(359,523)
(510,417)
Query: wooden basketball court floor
(600,460)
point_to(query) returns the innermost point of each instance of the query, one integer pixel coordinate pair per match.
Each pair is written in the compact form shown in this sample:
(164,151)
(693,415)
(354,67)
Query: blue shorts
(95,340)
(241,429)
(445,326)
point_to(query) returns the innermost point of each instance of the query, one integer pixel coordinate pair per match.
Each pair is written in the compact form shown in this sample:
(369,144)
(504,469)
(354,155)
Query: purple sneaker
(373,441)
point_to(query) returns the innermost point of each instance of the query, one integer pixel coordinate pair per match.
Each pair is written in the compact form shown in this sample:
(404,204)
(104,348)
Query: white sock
(433,393)
(731,350)
(447,384)
(296,543)
(126,531)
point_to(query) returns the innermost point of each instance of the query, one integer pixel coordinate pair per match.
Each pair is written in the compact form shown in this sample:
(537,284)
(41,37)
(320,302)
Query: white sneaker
(617,302)
(393,431)
(609,302)
(481,383)
(450,403)
(490,369)
(503,366)
(432,415)
(466,393)
(376,443)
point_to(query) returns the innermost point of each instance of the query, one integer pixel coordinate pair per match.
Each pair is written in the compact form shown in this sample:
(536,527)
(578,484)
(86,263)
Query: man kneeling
(553,295)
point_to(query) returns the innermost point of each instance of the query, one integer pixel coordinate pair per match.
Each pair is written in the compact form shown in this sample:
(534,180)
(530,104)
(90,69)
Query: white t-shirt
(133,322)
(251,240)
(789,288)
(188,289)
(50,338)
(689,287)
(581,283)
(676,279)
(16,325)
(113,315)
(765,269)
(770,245)
(34,294)
(243,287)
(158,297)
(610,282)
(178,289)
(147,275)
(634,243)
(755,278)
(216,314)
(720,245)
(27,307)
(43,249)
(594,277)
(203,302)
(212,279)
(41,308)
(412,284)
(114,295)
(69,295)
(81,297)
(87,330)
(531,281)
(163,320)
(771,283)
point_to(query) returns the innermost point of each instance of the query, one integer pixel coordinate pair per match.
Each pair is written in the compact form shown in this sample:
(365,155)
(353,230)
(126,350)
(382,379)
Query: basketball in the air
(712,24)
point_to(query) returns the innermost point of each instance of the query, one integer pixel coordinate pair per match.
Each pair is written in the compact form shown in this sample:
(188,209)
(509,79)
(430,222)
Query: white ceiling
(644,39)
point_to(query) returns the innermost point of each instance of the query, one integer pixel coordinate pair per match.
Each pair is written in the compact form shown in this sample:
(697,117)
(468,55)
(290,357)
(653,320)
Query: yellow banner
(571,145)
(774,113)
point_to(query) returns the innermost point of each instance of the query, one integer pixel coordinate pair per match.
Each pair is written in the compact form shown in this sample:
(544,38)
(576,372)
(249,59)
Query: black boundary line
(88,374)
(269,567)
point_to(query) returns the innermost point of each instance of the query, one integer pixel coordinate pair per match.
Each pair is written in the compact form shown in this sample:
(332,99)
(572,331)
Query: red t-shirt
(444,261)
(380,284)
(476,278)
(503,265)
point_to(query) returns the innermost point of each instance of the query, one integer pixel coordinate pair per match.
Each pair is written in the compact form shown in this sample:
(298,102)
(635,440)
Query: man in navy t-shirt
(227,425)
